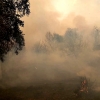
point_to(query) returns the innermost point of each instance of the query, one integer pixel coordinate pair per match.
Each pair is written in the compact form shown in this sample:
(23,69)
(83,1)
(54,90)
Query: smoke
(60,58)
(57,58)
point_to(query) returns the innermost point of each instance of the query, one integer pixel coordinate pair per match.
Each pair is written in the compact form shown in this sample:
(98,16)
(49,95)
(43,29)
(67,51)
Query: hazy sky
(58,15)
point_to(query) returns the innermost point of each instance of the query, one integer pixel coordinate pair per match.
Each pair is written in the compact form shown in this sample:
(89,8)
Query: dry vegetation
(63,90)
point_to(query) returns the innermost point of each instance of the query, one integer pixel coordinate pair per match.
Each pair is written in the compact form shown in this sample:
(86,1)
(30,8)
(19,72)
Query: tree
(73,40)
(10,34)
(96,36)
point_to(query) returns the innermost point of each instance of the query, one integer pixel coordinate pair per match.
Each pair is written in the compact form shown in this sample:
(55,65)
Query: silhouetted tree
(58,37)
(73,40)
(96,36)
(10,34)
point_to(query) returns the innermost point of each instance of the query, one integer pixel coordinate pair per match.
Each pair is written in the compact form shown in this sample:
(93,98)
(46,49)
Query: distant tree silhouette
(96,37)
(73,41)
(10,34)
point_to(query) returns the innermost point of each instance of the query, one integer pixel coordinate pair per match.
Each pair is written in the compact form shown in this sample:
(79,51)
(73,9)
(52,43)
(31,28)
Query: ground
(60,90)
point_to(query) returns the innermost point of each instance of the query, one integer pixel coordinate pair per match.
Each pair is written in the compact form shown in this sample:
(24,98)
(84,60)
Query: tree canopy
(10,34)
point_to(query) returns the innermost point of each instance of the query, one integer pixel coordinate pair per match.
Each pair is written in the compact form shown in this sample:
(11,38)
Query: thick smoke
(56,58)
(70,49)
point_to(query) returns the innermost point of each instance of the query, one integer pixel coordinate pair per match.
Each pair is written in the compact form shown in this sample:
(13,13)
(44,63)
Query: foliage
(10,34)
(96,36)
(71,42)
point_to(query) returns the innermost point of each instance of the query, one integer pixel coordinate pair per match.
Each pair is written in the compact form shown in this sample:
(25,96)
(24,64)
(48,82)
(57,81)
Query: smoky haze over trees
(10,34)
(56,58)
(72,42)
(50,59)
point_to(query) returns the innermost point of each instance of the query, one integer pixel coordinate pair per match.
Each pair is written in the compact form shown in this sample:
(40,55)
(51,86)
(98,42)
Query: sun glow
(64,6)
